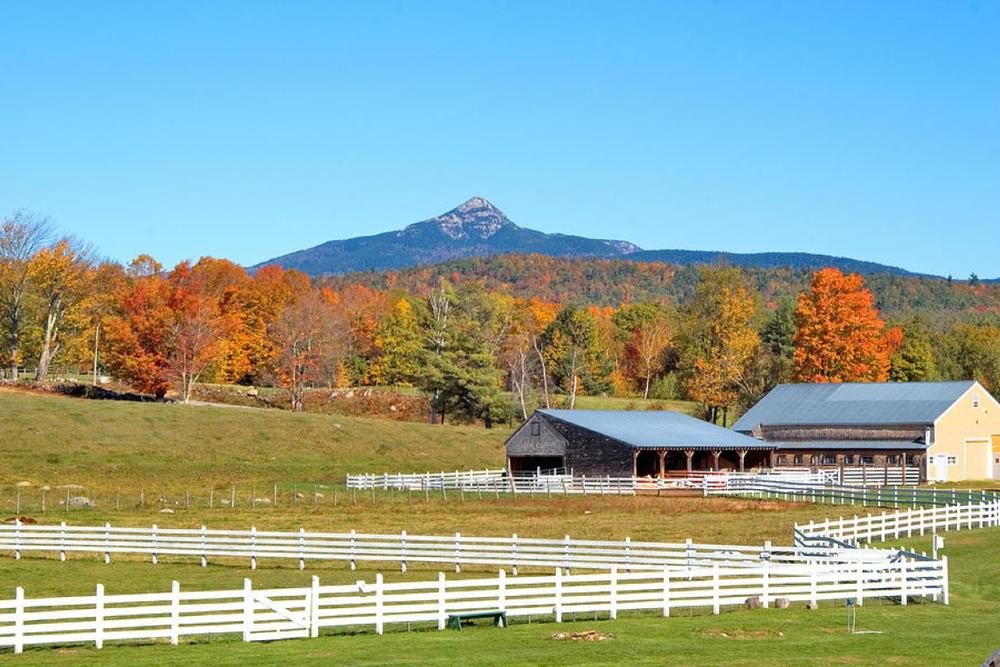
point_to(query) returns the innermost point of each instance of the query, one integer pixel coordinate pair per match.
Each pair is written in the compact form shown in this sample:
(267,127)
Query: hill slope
(477,228)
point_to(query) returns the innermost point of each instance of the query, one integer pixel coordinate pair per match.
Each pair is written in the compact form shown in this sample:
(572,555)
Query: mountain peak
(474,219)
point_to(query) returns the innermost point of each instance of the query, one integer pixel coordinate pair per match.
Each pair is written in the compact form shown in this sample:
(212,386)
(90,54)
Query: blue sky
(247,130)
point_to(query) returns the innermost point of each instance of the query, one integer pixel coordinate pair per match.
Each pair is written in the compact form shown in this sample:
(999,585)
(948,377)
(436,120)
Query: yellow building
(949,431)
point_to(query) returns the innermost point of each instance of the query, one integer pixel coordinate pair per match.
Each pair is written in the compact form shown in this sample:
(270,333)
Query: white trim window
(953,460)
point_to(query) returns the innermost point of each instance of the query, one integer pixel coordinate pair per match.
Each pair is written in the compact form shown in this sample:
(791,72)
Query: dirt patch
(741,634)
(584,636)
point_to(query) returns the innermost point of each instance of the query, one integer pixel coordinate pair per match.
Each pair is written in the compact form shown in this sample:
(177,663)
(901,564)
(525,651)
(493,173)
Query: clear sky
(247,130)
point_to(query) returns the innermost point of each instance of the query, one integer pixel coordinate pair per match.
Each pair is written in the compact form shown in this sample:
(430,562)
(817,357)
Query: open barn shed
(623,443)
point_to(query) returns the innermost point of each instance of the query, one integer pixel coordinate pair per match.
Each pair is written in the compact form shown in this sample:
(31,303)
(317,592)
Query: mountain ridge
(477,228)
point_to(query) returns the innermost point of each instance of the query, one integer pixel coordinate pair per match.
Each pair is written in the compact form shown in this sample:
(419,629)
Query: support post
(689,454)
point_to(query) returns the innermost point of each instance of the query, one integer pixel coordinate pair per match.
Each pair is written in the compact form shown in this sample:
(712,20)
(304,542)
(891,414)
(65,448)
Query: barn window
(910,460)
(953,460)
(849,460)
(798,459)
(812,460)
(829,459)
(892,460)
(782,460)
(536,428)
(975,401)
(867,460)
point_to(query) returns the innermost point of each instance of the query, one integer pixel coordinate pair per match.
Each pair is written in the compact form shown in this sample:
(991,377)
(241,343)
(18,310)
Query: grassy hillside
(56,440)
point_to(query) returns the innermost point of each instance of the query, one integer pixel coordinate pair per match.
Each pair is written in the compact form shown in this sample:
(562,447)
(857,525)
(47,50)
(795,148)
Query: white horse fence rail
(896,525)
(402,548)
(284,613)
(553,483)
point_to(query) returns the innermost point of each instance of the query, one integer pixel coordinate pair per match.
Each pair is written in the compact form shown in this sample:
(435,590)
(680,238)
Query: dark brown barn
(621,443)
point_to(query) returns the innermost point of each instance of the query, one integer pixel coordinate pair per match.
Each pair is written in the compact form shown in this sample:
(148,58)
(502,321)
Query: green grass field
(105,446)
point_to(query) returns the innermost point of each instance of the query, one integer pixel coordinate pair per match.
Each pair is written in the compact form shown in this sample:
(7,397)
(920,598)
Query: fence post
(715,588)
(688,552)
(558,595)
(175,612)
(613,597)
(99,617)
(354,550)
(402,551)
(17,538)
(247,609)
(253,547)
(204,546)
(62,541)
(107,542)
(566,549)
(458,552)
(302,548)
(765,583)
(314,607)
(944,577)
(154,544)
(513,554)
(628,554)
(502,595)
(666,591)
(18,620)
(379,603)
(442,612)
(903,574)
(813,583)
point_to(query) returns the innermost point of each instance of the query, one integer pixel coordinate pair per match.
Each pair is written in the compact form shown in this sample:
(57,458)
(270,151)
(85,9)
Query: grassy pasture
(104,446)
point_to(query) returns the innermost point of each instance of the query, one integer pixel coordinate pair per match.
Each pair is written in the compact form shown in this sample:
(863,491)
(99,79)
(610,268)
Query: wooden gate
(270,619)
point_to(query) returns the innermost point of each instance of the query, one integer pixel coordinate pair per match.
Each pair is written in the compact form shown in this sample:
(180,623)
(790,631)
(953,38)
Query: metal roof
(853,404)
(656,428)
(851,444)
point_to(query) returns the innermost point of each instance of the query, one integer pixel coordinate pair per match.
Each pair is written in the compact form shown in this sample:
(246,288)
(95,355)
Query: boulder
(753,602)
(781,603)
(166,510)
(80,501)
(252,392)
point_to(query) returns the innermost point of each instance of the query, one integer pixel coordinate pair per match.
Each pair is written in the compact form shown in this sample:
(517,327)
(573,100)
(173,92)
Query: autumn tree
(647,334)
(397,347)
(59,274)
(306,335)
(22,235)
(839,335)
(138,336)
(573,355)
(914,360)
(972,352)
(716,340)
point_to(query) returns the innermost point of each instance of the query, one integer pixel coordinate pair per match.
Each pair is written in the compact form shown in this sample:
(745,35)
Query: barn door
(941,468)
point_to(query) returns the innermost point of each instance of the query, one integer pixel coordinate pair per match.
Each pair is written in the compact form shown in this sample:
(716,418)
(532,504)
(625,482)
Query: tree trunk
(545,375)
(646,393)
(97,336)
(572,395)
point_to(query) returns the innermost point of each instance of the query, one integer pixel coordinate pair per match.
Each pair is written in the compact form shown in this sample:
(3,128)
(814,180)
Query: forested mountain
(477,228)
(611,282)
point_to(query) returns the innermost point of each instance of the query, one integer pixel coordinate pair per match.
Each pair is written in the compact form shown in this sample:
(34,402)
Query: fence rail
(402,548)
(896,525)
(886,496)
(283,613)
(499,481)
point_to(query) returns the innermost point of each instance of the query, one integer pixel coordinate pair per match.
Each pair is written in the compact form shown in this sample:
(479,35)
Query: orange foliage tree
(839,336)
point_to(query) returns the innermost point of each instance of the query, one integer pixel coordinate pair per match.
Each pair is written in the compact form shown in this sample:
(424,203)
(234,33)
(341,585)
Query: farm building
(621,443)
(947,431)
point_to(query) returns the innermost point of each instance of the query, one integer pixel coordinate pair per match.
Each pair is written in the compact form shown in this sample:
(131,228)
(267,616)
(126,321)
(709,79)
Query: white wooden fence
(493,482)
(402,548)
(285,613)
(887,496)
(896,525)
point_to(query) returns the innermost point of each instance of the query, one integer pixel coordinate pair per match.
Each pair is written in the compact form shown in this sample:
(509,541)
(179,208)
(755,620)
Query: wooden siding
(548,442)
(904,433)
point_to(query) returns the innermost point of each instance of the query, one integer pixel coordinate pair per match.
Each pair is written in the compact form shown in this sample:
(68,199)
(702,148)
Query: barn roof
(853,404)
(656,428)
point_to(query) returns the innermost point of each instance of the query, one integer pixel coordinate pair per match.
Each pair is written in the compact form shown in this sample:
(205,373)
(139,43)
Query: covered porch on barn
(662,461)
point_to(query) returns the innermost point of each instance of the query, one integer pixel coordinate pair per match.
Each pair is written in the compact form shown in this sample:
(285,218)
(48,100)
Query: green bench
(499,617)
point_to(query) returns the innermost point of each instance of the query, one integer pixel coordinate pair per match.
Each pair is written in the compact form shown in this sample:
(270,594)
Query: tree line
(480,353)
